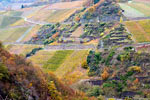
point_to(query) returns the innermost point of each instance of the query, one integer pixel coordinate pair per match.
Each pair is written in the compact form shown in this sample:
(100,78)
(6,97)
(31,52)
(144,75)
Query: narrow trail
(25,33)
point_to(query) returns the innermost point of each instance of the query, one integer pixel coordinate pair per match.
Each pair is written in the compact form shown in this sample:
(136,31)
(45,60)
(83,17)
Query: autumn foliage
(20,80)
(55,35)
(135,68)
(105,74)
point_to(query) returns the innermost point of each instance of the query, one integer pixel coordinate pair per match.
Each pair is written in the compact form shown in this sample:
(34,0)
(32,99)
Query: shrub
(55,95)
(33,52)
(3,72)
(110,56)
(105,75)
(84,65)
(101,97)
(135,68)
(95,91)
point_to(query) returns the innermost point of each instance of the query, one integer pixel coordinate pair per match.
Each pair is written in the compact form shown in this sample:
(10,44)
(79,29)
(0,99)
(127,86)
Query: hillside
(19,79)
(76,50)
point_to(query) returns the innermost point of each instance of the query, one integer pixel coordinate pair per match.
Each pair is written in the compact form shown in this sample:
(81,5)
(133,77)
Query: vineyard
(130,12)
(140,30)
(67,63)
(41,57)
(31,33)
(8,20)
(56,60)
(12,34)
(66,5)
(70,70)
(143,8)
(60,15)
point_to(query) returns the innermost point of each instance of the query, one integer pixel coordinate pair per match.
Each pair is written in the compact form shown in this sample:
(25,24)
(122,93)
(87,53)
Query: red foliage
(55,35)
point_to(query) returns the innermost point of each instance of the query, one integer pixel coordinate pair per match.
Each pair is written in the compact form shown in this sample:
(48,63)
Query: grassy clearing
(70,71)
(12,34)
(56,60)
(131,12)
(145,9)
(7,21)
(60,15)
(140,30)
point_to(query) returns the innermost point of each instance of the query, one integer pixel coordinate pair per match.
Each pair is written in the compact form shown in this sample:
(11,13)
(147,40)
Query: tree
(136,81)
(105,74)
(54,94)
(121,19)
(22,6)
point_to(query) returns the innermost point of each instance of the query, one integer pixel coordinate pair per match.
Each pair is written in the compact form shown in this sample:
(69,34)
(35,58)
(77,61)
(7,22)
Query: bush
(83,86)
(3,72)
(110,56)
(48,41)
(95,91)
(135,68)
(84,65)
(101,97)
(33,52)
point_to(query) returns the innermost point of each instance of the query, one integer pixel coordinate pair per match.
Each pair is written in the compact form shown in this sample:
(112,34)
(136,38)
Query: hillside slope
(20,80)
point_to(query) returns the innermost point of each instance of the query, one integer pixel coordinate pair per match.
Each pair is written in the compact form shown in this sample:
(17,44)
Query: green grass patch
(56,60)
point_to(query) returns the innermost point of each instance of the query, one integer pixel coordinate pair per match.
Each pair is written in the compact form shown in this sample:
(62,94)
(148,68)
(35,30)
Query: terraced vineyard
(140,30)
